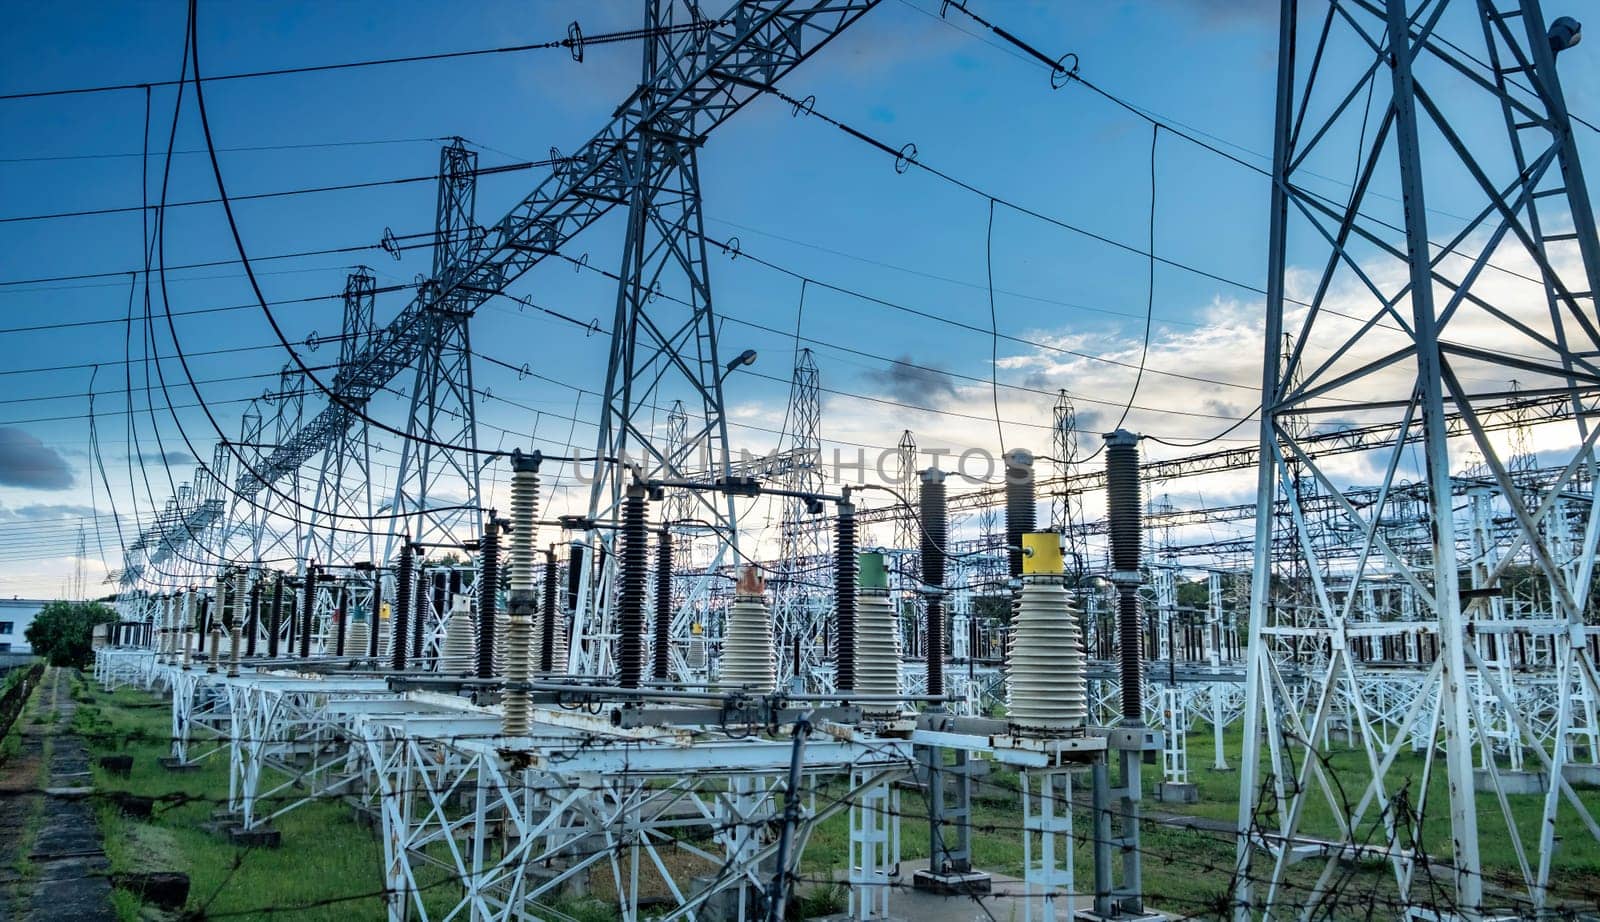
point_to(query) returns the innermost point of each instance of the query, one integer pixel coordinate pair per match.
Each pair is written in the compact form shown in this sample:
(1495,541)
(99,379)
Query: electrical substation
(655,664)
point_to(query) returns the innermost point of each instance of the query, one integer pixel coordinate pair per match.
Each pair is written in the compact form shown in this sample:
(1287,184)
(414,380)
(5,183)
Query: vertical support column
(1467,866)
(1049,883)
(874,844)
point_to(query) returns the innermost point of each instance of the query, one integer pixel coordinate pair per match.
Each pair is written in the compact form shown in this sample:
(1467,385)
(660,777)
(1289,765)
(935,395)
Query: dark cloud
(31,464)
(169,458)
(37,512)
(915,384)
(1088,423)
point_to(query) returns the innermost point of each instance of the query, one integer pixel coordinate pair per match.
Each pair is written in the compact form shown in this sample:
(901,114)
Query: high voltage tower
(1433,626)
(1428,349)
(340,527)
(437,486)
(800,613)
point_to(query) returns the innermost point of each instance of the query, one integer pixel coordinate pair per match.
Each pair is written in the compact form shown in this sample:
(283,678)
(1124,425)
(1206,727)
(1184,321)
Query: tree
(63,630)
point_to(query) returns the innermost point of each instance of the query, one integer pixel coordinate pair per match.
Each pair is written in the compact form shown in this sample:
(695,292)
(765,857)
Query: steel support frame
(1327,365)
(514,820)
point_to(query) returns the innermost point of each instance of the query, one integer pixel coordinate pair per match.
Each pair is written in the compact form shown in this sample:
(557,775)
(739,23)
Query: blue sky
(795,191)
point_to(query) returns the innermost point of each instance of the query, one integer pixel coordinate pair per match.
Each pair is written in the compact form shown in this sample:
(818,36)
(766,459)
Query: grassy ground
(22,774)
(1191,870)
(329,866)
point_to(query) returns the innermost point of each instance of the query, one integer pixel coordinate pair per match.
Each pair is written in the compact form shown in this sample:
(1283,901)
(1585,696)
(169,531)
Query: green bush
(62,632)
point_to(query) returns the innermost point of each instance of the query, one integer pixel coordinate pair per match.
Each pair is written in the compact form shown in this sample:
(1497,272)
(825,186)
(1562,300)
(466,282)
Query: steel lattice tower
(800,611)
(340,530)
(1404,325)
(276,530)
(708,70)
(436,487)
(1066,506)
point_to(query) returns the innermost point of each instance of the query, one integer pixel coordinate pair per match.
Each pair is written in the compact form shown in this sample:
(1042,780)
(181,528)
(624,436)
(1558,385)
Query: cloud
(29,463)
(910,382)
(168,458)
(35,512)
(1218,13)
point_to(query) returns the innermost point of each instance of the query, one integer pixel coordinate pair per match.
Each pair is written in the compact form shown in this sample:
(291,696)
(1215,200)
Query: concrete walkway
(55,868)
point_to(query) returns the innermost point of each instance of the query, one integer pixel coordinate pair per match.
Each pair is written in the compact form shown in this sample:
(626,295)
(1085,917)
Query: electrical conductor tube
(308,609)
(1123,522)
(550,637)
(402,604)
(1021,505)
(253,619)
(488,587)
(635,570)
(844,596)
(661,652)
(933,514)
(275,619)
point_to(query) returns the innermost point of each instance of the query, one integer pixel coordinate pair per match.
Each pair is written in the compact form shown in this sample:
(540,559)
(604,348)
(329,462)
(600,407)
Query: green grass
(1190,871)
(325,855)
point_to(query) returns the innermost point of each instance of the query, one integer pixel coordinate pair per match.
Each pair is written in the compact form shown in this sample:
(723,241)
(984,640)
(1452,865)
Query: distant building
(15,616)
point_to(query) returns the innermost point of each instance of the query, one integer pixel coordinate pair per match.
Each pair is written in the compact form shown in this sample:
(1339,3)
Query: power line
(209,264)
(573,43)
(53,158)
(68,324)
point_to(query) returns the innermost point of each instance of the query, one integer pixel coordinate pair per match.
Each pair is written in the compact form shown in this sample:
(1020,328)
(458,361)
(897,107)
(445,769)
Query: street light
(1565,32)
(747,357)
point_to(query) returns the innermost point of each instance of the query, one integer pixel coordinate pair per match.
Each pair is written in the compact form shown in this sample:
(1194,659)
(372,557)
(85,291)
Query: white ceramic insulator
(524,511)
(241,609)
(518,644)
(357,638)
(1046,674)
(459,653)
(877,651)
(241,598)
(747,660)
(191,608)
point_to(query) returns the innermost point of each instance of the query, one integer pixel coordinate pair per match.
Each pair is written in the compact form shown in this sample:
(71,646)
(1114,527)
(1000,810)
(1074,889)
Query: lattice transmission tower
(801,609)
(340,529)
(437,487)
(1407,319)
